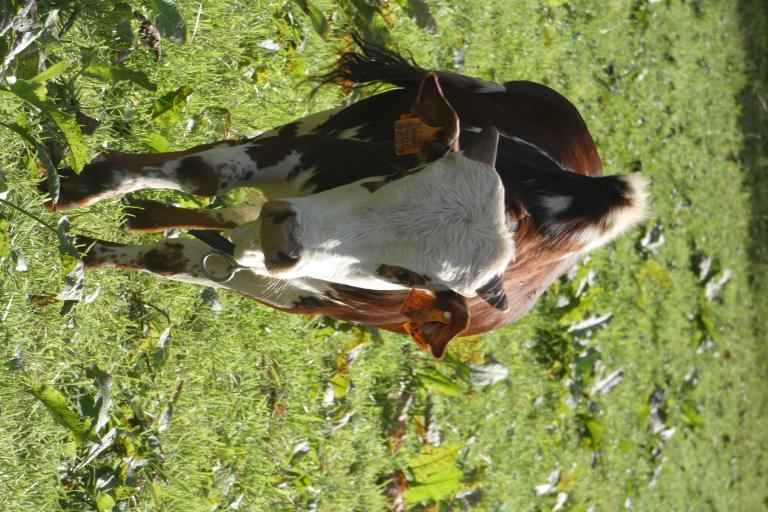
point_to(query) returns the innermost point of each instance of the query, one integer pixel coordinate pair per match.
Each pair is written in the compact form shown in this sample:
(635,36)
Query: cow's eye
(401,275)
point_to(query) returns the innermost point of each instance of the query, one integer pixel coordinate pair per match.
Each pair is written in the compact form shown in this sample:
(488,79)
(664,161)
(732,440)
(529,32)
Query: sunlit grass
(662,87)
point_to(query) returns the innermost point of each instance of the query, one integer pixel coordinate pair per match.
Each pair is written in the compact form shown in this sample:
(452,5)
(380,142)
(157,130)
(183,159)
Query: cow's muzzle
(278,236)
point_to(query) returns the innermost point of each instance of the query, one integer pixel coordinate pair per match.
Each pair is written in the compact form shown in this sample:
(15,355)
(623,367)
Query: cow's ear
(438,334)
(433,109)
(484,145)
(493,293)
(435,318)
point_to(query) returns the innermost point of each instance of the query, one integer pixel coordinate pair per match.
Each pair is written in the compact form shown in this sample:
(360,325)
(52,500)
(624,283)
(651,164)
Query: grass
(675,90)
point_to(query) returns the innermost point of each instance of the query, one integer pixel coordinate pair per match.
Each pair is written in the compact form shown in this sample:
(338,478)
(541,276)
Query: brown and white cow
(503,198)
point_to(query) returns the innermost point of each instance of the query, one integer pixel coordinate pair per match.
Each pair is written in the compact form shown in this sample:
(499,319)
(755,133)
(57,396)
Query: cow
(444,206)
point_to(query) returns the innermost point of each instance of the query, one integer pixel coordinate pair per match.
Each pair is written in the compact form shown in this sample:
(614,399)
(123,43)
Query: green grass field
(148,395)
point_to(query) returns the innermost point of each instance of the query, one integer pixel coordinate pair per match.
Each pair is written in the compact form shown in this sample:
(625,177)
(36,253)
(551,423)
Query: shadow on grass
(753,99)
(754,125)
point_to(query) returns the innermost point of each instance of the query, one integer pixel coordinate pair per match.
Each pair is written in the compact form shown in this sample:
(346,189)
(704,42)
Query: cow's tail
(376,64)
(373,64)
(583,211)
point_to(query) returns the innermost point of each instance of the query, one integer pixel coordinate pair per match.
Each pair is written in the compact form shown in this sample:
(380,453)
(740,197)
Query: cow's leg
(152,216)
(276,164)
(180,259)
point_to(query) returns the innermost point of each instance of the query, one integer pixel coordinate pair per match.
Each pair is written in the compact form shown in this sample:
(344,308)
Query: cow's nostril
(285,258)
(278,236)
(280,217)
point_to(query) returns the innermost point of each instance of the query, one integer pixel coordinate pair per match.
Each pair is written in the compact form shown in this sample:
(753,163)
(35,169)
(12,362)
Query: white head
(440,227)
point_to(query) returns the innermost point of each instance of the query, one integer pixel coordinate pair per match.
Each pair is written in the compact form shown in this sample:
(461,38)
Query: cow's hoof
(73,191)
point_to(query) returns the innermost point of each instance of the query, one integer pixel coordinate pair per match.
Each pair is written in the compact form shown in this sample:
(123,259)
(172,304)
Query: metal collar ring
(232,267)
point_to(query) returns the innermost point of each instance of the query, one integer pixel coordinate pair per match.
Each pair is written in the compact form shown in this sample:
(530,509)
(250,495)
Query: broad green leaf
(78,150)
(577,311)
(433,459)
(104,502)
(319,22)
(169,107)
(66,123)
(57,405)
(52,72)
(169,20)
(436,490)
(114,74)
(436,382)
(340,384)
(27,90)
(156,143)
(435,475)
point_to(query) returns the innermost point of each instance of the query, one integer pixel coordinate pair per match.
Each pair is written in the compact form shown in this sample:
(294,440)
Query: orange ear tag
(411,134)
(421,307)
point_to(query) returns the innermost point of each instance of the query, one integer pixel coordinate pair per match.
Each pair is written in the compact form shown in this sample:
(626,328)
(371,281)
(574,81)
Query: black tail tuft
(590,210)
(373,64)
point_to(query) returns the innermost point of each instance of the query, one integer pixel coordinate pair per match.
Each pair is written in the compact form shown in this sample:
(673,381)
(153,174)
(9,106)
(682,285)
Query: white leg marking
(180,259)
